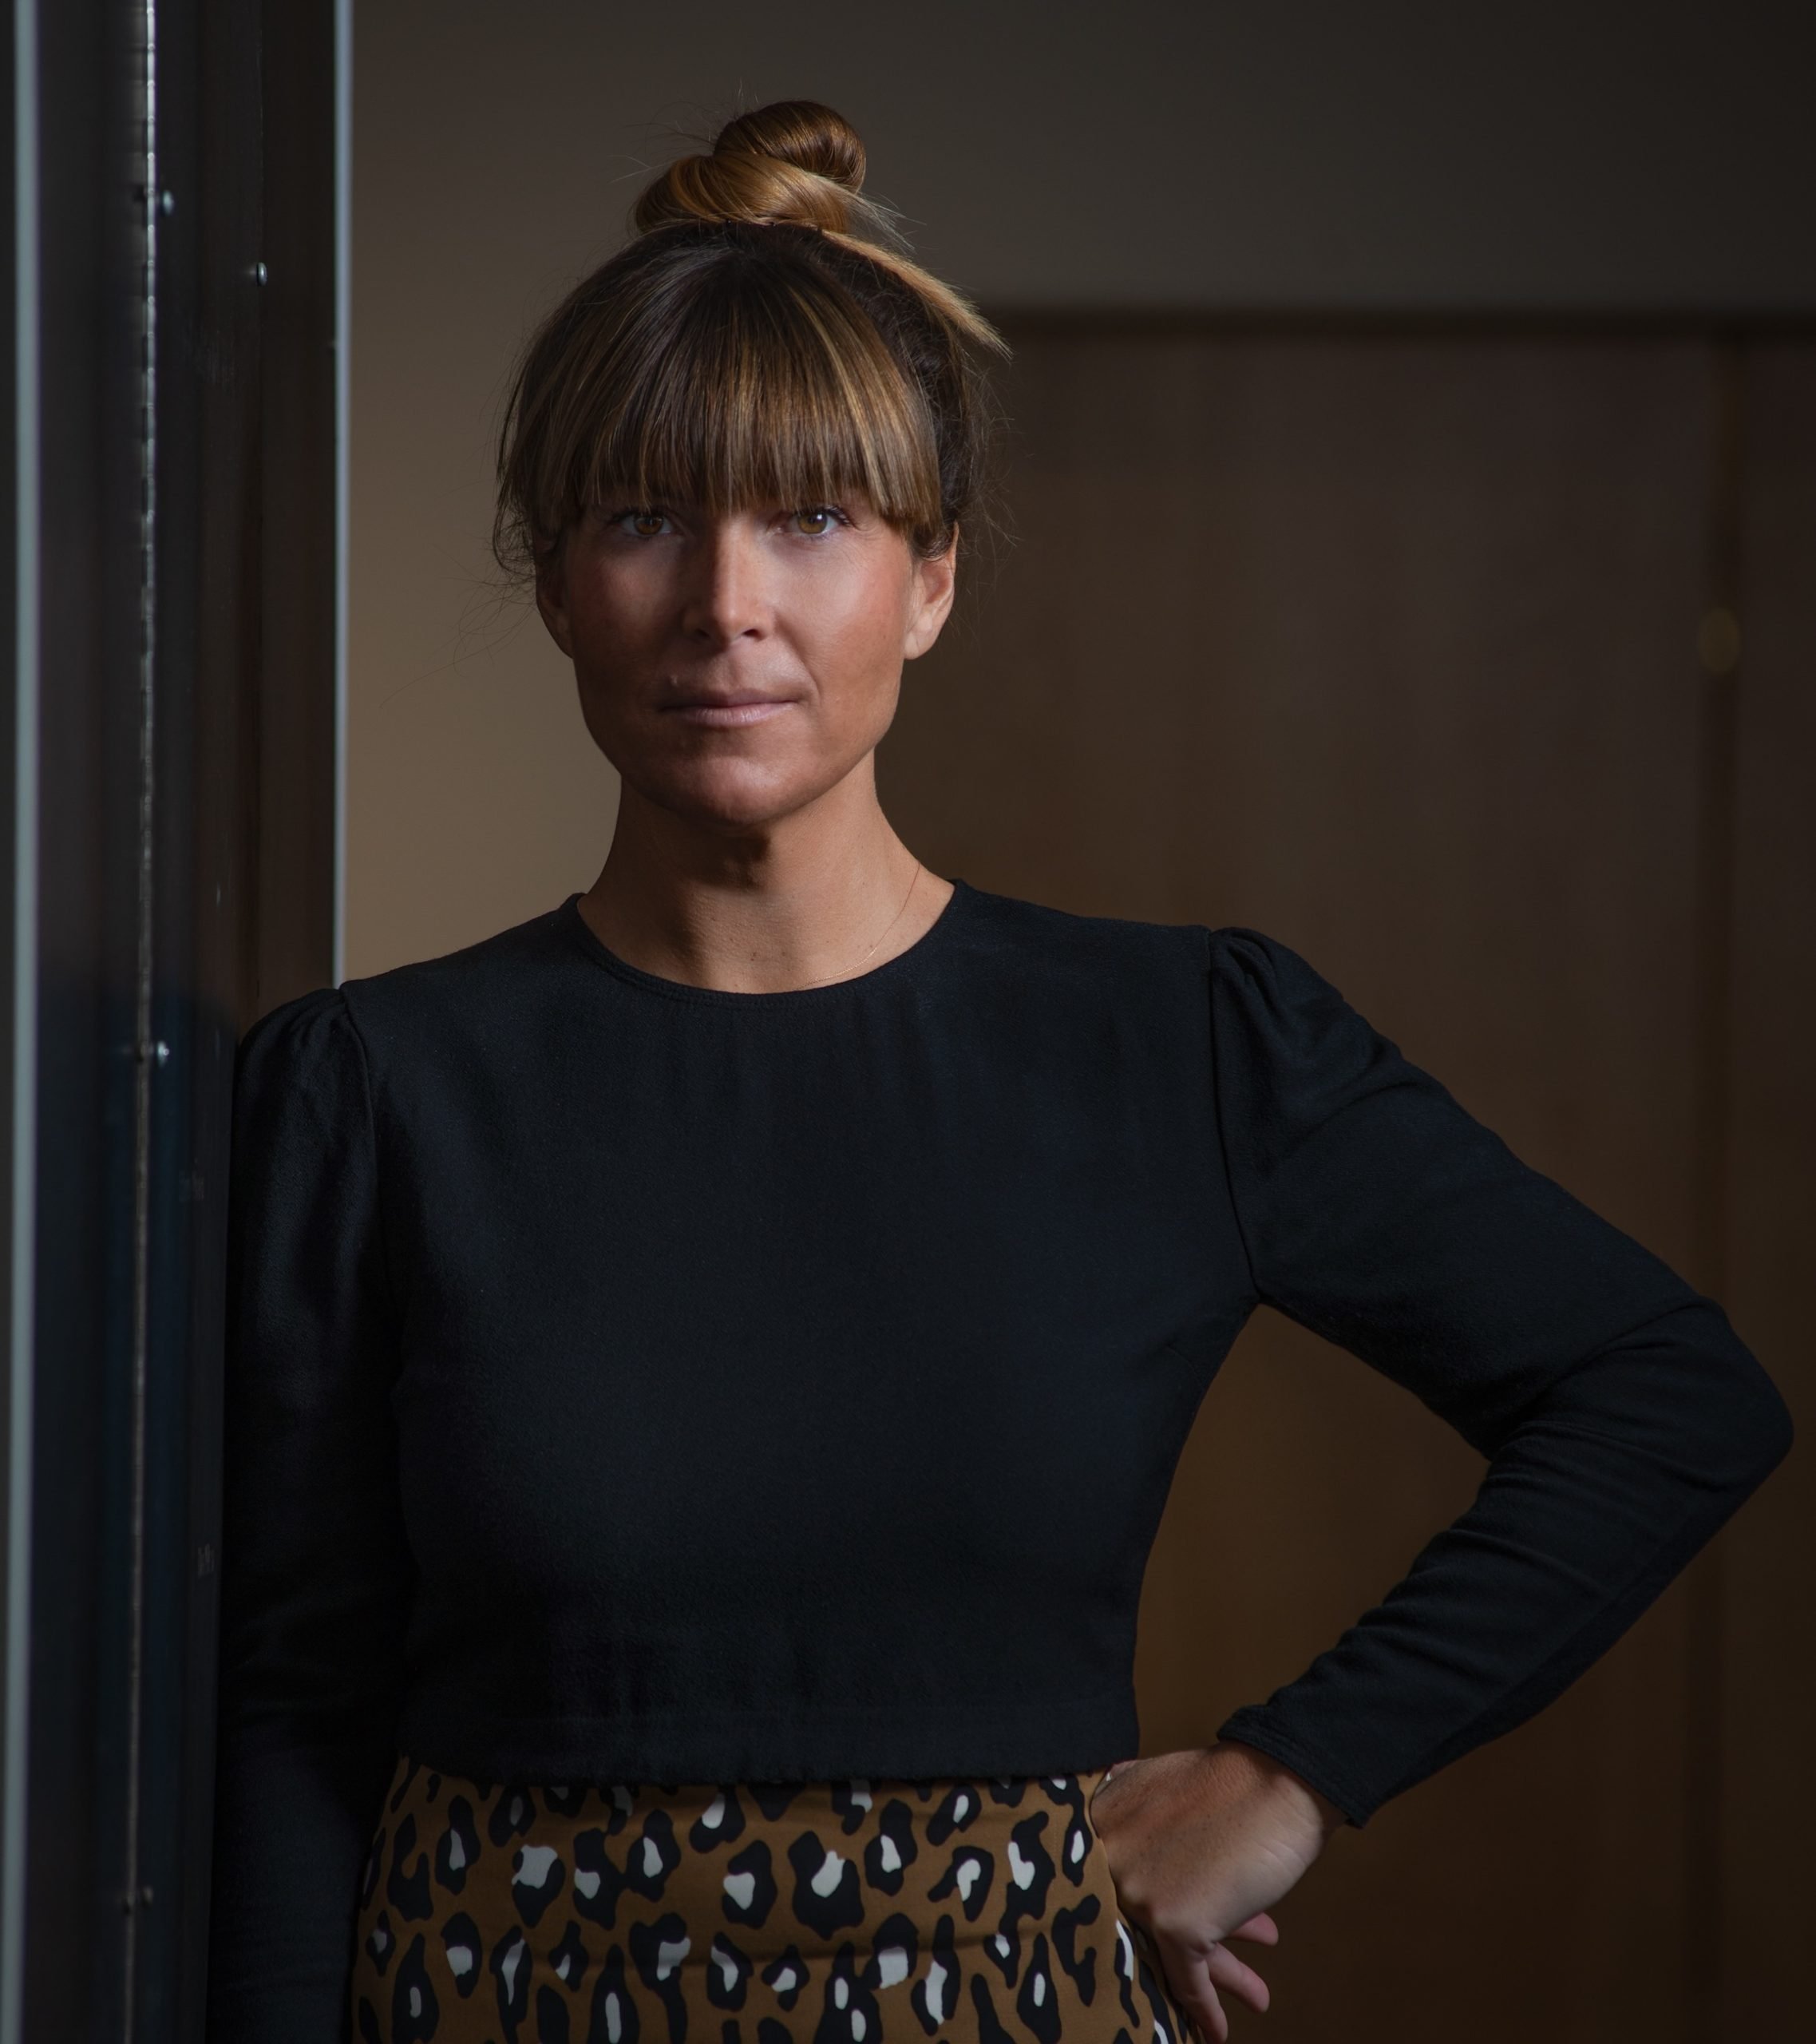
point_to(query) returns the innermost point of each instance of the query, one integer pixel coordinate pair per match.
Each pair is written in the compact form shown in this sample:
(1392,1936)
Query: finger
(1206,2013)
(1229,1973)
(1259,1929)
(1188,1975)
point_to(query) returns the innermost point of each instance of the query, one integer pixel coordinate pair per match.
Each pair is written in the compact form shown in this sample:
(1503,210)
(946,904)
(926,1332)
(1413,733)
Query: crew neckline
(929,941)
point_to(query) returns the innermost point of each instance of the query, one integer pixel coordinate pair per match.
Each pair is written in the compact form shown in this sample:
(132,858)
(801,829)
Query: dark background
(1410,487)
(1412,475)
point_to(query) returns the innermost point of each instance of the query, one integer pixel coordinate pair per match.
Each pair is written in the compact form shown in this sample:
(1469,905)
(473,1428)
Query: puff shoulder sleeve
(1622,1418)
(315,1569)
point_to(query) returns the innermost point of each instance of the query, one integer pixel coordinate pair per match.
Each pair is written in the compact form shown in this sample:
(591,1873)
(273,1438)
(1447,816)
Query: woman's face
(733,668)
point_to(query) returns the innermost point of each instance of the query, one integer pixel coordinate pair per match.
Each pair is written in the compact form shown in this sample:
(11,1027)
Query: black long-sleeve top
(630,1380)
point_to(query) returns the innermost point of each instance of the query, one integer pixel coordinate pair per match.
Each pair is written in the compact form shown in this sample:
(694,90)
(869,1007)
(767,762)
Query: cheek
(853,637)
(612,615)
(619,643)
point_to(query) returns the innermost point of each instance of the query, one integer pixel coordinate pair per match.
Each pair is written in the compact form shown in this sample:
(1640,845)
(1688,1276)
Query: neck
(826,893)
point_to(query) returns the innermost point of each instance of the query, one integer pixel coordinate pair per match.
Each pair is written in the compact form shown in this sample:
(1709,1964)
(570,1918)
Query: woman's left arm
(1623,1419)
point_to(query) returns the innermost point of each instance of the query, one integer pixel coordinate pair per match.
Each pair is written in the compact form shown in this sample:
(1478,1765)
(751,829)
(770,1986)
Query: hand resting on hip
(1200,1844)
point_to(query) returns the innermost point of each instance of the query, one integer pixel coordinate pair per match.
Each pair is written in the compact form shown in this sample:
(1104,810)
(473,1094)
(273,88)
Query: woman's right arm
(316,1573)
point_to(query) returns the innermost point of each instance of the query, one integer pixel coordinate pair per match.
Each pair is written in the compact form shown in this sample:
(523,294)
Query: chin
(737,799)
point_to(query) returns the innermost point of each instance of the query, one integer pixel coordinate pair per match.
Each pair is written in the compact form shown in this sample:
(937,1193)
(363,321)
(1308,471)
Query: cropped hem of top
(638,1378)
(960,1739)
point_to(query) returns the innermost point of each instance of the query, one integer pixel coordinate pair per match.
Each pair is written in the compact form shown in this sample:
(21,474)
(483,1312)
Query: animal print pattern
(828,1912)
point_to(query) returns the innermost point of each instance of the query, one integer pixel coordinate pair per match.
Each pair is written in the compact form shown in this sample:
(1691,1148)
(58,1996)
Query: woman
(706,1363)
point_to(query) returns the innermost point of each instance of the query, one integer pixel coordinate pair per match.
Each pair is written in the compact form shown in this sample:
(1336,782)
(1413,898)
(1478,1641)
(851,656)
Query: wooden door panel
(1768,1647)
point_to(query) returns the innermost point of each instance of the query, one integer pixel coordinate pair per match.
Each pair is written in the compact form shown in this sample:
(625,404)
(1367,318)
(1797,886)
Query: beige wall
(1308,153)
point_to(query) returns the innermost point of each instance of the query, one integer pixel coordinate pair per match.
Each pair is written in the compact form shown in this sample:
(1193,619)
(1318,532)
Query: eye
(813,522)
(643,522)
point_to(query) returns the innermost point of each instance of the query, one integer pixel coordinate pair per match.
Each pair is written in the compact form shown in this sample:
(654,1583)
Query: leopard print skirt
(830,1912)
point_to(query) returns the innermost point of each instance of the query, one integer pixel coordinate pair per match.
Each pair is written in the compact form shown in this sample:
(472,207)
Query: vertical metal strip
(21,1246)
(343,333)
(156,201)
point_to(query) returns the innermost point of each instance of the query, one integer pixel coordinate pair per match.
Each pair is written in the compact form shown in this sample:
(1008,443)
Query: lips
(733,699)
(744,708)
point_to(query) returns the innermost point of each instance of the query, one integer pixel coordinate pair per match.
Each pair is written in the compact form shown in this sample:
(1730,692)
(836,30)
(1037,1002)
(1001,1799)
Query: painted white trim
(21,1246)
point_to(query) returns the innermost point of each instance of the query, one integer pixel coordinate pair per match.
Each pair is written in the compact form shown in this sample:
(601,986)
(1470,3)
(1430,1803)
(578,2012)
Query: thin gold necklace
(919,868)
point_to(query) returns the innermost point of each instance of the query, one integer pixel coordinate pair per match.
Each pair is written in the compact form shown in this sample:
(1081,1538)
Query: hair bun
(800,132)
(793,163)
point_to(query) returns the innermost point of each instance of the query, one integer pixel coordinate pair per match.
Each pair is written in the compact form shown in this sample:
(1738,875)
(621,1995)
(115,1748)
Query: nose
(726,594)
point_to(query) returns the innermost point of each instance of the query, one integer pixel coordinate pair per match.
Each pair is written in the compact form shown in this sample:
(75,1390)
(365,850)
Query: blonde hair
(763,336)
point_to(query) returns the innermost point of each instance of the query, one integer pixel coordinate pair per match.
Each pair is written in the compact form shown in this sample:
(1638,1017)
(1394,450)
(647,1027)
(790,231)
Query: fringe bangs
(721,384)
